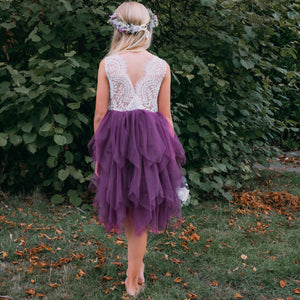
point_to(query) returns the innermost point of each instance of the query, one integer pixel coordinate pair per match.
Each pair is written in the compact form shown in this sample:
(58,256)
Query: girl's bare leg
(136,250)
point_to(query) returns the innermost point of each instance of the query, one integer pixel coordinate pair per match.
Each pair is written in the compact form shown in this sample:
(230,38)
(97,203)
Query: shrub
(233,64)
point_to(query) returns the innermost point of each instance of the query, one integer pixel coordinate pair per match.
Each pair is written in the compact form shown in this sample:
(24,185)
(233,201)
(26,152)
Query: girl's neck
(134,50)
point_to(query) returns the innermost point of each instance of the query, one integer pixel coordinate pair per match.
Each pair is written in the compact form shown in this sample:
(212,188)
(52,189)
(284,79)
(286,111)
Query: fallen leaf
(106,278)
(168,274)
(176,261)
(40,295)
(282,283)
(30,291)
(192,296)
(214,283)
(296,291)
(80,273)
(54,285)
(244,257)
(119,264)
(177,280)
(153,277)
(194,237)
(237,295)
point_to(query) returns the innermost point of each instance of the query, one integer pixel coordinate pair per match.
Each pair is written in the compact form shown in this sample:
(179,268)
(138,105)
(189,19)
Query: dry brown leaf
(194,237)
(4,254)
(168,274)
(54,285)
(237,295)
(192,296)
(80,273)
(282,283)
(177,280)
(244,257)
(30,291)
(175,260)
(296,291)
(214,283)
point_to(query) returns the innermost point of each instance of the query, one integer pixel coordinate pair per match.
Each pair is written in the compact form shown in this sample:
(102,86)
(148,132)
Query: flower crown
(123,27)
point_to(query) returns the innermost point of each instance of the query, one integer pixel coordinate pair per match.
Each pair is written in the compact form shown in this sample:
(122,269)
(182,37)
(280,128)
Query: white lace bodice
(124,96)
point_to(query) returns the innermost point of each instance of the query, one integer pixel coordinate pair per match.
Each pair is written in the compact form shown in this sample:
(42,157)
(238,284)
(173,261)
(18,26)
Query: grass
(50,252)
(277,181)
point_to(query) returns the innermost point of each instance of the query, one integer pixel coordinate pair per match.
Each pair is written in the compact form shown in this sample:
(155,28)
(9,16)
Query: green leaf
(192,142)
(3,139)
(69,138)
(57,199)
(29,137)
(44,112)
(208,3)
(226,147)
(60,140)
(22,90)
(4,87)
(67,5)
(74,105)
(32,148)
(46,127)
(26,127)
(70,54)
(74,197)
(221,82)
(52,162)
(61,119)
(83,118)
(69,157)
(193,127)
(44,28)
(206,186)
(8,26)
(44,49)
(53,150)
(63,174)
(15,139)
(76,201)
(88,159)
(208,170)
(76,174)
(194,177)
(247,64)
(35,38)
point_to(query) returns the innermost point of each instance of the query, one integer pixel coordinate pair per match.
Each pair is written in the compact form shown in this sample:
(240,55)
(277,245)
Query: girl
(136,153)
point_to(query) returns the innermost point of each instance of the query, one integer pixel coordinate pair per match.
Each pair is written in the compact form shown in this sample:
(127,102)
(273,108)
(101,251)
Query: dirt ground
(289,162)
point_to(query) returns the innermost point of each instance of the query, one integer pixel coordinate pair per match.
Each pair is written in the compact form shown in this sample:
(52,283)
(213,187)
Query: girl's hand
(96,170)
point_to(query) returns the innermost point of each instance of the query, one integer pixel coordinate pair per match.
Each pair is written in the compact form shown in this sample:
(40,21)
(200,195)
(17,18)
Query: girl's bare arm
(164,97)
(102,96)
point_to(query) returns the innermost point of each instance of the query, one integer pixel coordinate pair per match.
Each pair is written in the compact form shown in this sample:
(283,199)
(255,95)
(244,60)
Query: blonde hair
(131,13)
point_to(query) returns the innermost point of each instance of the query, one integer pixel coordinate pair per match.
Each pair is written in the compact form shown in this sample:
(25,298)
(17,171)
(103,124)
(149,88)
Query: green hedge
(233,63)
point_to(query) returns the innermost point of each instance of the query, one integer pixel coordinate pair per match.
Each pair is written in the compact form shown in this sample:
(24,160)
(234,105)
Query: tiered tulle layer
(138,158)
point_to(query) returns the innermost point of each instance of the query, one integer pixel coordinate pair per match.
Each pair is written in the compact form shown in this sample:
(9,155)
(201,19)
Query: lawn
(222,251)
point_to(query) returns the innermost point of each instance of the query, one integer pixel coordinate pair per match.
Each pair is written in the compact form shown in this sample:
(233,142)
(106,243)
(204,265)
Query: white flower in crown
(123,27)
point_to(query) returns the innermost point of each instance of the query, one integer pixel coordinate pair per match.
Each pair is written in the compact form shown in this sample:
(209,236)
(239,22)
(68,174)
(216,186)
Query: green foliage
(228,66)
(48,81)
(234,64)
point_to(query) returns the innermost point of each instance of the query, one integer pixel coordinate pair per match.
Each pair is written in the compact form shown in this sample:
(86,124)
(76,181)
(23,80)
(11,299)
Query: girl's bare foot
(132,289)
(141,278)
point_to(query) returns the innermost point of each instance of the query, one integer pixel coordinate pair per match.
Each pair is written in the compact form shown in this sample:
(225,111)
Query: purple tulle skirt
(138,158)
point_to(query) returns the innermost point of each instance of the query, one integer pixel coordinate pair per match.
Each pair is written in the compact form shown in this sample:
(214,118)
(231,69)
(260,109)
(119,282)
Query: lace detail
(123,95)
